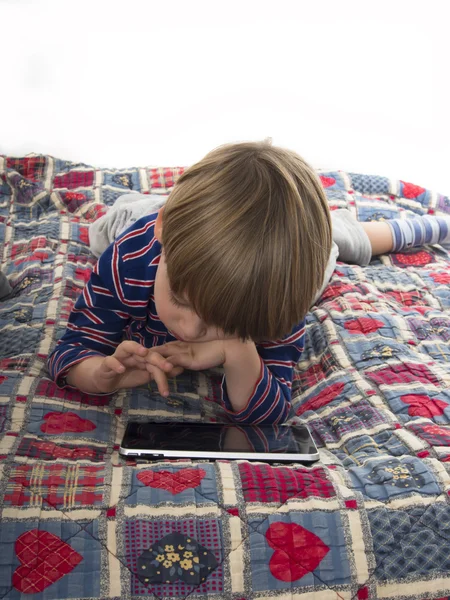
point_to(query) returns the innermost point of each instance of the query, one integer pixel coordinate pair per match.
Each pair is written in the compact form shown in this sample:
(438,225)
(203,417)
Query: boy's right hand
(133,365)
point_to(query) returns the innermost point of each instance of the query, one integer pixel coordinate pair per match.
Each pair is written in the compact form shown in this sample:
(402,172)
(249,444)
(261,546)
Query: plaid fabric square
(48,450)
(74,200)
(49,389)
(407,298)
(436,435)
(324,394)
(74,179)
(263,483)
(31,280)
(304,380)
(435,328)
(402,373)
(407,543)
(359,416)
(54,486)
(140,536)
(39,248)
(32,167)
(164,177)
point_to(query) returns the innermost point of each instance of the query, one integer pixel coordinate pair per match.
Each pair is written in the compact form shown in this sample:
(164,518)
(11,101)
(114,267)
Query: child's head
(246,237)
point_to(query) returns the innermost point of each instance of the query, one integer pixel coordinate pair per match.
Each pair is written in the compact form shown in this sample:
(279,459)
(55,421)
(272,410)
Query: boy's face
(175,313)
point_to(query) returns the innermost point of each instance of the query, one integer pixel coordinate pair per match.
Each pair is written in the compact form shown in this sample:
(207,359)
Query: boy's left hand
(195,356)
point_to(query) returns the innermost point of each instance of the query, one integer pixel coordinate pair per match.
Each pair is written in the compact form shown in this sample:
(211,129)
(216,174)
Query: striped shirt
(117,303)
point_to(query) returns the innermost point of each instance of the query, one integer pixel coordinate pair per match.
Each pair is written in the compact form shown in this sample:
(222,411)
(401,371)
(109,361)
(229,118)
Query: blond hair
(247,237)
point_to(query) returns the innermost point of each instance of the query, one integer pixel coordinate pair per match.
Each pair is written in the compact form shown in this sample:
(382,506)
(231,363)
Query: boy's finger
(183,359)
(161,380)
(129,347)
(176,371)
(167,349)
(163,350)
(159,361)
(135,362)
(113,364)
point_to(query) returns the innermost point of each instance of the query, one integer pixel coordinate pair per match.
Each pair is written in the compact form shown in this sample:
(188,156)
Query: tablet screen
(213,437)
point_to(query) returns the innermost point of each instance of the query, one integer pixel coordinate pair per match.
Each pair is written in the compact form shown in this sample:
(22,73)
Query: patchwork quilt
(370,520)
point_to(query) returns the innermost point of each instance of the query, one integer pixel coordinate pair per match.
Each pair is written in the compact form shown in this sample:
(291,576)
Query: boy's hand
(133,365)
(195,356)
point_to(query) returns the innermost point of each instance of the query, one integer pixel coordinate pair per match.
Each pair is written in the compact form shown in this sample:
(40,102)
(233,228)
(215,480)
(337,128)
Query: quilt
(370,520)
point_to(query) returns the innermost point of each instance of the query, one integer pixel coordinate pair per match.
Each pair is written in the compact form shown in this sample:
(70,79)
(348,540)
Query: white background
(353,85)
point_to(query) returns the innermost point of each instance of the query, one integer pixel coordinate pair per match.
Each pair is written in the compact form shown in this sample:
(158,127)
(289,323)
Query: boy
(222,274)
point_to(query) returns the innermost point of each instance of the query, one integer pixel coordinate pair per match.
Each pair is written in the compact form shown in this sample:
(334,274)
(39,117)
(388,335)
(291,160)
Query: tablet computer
(160,440)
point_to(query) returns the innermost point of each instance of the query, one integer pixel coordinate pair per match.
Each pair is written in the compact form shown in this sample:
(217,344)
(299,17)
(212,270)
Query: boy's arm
(97,322)
(257,384)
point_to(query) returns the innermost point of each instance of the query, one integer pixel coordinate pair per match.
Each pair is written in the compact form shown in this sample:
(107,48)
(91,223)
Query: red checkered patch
(164,177)
(74,179)
(55,486)
(263,483)
(31,168)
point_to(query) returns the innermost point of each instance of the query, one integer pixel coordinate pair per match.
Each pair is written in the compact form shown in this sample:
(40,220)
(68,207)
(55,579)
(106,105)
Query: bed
(370,520)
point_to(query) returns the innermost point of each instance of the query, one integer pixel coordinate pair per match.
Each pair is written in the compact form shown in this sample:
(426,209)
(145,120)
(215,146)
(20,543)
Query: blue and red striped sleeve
(117,293)
(270,401)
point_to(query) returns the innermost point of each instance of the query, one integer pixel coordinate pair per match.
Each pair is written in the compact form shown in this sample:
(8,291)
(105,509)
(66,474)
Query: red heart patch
(411,191)
(45,558)
(65,422)
(327,181)
(175,482)
(423,406)
(302,551)
(419,258)
(440,277)
(325,397)
(363,325)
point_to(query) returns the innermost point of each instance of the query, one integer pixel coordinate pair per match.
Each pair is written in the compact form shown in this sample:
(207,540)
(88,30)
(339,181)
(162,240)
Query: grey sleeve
(125,211)
(350,244)
(351,239)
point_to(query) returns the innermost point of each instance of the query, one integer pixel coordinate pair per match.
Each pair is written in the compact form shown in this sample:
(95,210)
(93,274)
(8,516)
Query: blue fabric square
(388,478)
(358,449)
(284,549)
(149,399)
(81,582)
(410,543)
(183,484)
(332,181)
(50,420)
(128,180)
(419,402)
(369,184)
